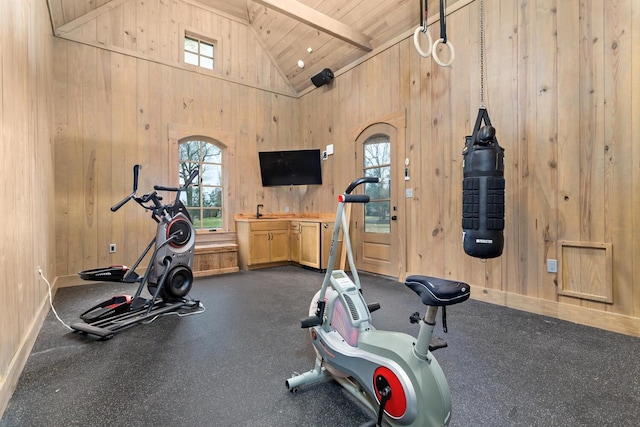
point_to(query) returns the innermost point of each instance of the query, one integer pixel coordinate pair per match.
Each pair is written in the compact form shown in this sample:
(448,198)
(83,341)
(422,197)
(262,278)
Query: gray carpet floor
(227,366)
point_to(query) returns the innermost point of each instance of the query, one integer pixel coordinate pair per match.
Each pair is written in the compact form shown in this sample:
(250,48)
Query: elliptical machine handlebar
(178,190)
(189,180)
(363,180)
(153,196)
(136,170)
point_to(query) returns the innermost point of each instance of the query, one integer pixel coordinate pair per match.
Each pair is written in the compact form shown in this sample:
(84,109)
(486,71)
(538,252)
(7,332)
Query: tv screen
(293,167)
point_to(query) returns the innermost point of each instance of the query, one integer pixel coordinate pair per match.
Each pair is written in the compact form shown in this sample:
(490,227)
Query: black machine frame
(168,277)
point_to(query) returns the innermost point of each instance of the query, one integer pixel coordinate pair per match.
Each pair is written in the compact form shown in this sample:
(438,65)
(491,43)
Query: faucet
(258,214)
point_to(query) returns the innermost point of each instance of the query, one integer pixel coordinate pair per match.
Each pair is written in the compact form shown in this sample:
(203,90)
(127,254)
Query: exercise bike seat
(438,292)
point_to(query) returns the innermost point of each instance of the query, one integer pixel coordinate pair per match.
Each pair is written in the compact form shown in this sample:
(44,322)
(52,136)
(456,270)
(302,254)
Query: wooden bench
(215,253)
(215,258)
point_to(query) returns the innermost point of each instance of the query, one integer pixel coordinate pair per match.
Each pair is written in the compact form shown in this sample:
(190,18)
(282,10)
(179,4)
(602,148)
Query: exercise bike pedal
(437,343)
(373,306)
(415,317)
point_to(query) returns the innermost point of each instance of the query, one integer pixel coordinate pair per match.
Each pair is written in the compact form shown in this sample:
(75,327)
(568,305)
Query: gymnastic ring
(435,54)
(416,41)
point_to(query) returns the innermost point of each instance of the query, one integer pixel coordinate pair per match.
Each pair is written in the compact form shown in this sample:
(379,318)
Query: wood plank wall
(154,30)
(560,91)
(26,168)
(114,111)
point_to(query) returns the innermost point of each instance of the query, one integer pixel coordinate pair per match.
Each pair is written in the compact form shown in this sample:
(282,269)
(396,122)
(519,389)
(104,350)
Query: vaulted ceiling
(321,33)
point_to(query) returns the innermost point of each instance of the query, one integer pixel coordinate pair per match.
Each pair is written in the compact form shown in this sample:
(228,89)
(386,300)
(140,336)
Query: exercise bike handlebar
(363,180)
(340,223)
(353,198)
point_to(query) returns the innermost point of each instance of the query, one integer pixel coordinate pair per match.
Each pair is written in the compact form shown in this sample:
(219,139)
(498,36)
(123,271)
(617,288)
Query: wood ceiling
(322,33)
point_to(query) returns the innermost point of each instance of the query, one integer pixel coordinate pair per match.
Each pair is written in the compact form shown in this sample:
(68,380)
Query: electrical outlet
(112,248)
(552,266)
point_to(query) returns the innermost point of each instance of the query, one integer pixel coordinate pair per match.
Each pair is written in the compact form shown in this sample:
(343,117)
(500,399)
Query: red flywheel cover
(397,405)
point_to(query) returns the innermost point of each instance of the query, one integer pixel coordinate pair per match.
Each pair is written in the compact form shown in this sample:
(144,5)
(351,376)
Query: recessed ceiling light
(300,63)
(309,49)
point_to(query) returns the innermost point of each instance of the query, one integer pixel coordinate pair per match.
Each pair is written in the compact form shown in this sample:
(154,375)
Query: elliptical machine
(168,276)
(393,374)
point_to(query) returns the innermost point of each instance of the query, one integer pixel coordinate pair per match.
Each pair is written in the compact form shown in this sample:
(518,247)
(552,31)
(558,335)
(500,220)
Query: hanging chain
(482,58)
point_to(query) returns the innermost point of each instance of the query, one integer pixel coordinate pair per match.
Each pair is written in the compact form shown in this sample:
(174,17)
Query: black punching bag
(483,191)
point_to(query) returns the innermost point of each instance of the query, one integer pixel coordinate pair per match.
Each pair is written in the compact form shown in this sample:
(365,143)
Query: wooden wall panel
(27,239)
(154,30)
(559,90)
(559,96)
(619,143)
(634,272)
(114,112)
(502,84)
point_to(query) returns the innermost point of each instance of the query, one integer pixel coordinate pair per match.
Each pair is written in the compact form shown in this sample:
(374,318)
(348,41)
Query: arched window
(204,198)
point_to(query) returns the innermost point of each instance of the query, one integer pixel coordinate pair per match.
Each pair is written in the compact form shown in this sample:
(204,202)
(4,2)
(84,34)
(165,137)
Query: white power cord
(51,300)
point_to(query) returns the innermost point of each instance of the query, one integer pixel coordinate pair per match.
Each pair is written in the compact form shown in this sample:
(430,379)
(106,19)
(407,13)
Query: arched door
(376,223)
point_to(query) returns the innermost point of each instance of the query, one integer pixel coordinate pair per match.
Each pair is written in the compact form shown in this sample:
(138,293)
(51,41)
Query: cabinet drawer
(269,225)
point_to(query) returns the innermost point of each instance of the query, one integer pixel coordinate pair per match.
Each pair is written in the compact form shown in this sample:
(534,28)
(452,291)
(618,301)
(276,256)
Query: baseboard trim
(10,380)
(608,321)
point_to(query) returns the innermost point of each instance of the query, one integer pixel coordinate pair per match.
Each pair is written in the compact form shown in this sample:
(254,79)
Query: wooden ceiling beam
(319,21)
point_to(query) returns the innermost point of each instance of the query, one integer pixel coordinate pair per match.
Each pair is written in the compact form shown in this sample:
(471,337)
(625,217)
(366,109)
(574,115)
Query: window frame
(194,34)
(201,164)
(223,140)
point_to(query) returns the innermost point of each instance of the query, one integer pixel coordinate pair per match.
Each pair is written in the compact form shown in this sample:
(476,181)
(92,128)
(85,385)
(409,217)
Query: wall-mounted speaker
(322,78)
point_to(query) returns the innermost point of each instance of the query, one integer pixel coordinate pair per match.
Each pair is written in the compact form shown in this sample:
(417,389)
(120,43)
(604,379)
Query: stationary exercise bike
(168,276)
(393,374)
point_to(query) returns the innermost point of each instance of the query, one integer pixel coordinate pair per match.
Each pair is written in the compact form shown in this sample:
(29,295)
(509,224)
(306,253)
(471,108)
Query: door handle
(394,218)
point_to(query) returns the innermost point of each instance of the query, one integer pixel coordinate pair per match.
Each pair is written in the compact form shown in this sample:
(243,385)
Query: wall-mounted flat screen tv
(292,167)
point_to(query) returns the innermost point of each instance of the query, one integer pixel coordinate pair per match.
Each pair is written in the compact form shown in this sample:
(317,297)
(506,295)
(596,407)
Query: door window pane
(377,217)
(377,163)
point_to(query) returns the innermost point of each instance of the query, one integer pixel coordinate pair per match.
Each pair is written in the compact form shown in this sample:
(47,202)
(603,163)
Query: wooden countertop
(285,217)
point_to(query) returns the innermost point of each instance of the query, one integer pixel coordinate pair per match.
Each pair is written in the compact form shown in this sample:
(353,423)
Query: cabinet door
(294,240)
(260,247)
(326,233)
(279,245)
(310,244)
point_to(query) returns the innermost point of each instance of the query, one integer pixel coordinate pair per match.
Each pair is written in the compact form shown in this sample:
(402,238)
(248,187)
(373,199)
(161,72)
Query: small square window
(199,52)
